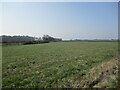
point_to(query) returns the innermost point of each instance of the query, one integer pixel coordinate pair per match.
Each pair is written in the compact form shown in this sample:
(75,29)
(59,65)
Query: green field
(60,65)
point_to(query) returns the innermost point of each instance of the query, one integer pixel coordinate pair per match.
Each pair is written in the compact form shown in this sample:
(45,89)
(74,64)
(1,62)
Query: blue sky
(67,20)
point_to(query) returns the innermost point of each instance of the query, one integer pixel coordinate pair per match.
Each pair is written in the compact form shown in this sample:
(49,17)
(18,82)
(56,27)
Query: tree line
(28,39)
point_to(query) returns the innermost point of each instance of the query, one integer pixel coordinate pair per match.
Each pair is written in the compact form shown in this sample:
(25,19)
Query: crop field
(60,65)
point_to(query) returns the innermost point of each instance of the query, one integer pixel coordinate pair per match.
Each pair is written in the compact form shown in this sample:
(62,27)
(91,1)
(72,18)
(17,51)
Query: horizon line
(62,38)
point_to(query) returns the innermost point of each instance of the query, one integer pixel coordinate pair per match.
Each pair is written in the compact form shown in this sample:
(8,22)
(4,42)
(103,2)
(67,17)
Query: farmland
(60,65)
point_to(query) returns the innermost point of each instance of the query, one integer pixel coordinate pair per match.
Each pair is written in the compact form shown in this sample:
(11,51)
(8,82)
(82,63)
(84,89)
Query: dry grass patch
(99,76)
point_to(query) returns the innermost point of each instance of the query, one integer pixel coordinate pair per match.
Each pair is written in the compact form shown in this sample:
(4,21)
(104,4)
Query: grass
(54,65)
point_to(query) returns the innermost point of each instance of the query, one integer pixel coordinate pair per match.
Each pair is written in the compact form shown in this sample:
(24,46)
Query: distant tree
(16,38)
(49,38)
(39,39)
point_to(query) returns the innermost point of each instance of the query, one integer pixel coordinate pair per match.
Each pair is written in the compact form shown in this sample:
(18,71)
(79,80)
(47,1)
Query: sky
(66,20)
